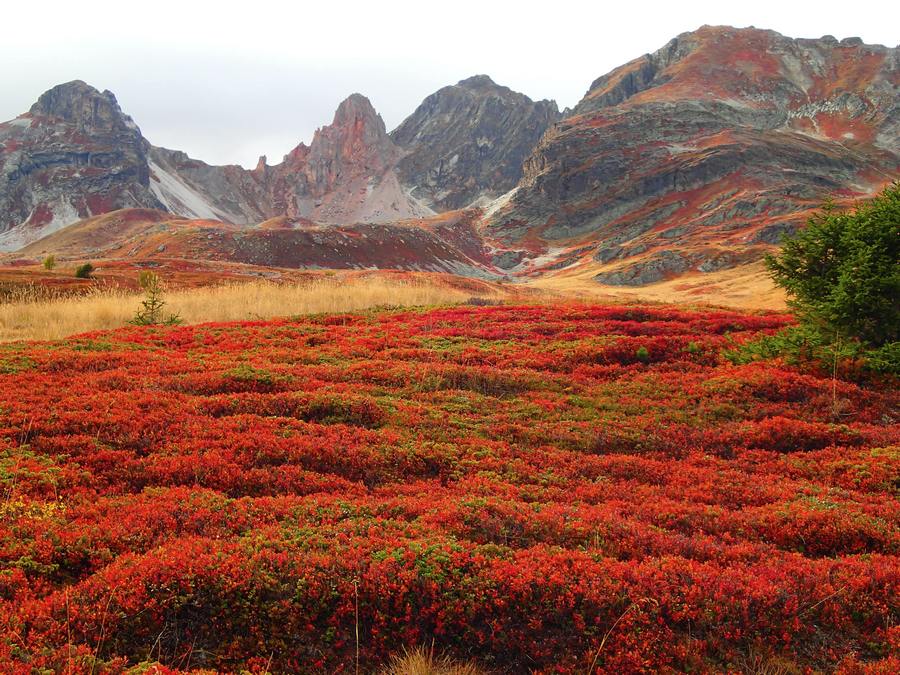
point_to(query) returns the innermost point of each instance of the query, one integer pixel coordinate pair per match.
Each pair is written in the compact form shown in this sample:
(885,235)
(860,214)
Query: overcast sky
(227,82)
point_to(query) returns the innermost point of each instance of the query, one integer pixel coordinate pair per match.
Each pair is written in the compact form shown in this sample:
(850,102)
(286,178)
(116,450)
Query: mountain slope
(701,154)
(468,141)
(691,160)
(445,243)
(194,189)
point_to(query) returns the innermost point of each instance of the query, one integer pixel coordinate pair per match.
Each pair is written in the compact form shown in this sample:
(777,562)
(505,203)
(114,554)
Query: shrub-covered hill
(549,489)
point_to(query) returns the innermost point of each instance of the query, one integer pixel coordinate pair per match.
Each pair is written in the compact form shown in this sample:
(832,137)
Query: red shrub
(539,488)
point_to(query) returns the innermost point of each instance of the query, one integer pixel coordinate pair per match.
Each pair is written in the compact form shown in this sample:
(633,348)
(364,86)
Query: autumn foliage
(551,489)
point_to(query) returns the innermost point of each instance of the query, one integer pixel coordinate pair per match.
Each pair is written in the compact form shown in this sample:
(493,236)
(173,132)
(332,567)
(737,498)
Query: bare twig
(157,642)
(23,441)
(102,629)
(826,598)
(356,603)
(68,634)
(611,628)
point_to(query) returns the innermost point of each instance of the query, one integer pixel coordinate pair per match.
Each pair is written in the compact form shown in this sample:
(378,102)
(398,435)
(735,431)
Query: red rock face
(700,155)
(355,143)
(346,174)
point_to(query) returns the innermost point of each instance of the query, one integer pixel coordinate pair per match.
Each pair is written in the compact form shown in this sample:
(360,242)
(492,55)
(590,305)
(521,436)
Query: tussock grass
(36,316)
(423,661)
(760,663)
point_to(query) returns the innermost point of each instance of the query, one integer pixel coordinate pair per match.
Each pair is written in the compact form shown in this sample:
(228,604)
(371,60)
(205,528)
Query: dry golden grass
(423,661)
(37,317)
(743,287)
(759,663)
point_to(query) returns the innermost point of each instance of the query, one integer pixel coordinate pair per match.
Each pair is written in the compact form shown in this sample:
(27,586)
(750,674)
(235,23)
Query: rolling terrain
(565,488)
(441,244)
(421,401)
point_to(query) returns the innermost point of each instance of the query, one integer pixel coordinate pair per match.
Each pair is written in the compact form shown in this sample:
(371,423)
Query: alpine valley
(506,390)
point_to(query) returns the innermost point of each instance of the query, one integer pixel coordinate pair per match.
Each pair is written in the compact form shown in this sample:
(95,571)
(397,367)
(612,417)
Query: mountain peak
(483,87)
(477,81)
(357,128)
(467,141)
(356,109)
(81,104)
(355,142)
(761,68)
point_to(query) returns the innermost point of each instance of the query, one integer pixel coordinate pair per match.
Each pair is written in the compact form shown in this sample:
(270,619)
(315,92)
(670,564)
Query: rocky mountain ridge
(458,148)
(700,155)
(75,154)
(692,159)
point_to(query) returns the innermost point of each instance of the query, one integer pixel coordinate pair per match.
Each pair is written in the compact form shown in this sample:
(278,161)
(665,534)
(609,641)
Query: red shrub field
(550,489)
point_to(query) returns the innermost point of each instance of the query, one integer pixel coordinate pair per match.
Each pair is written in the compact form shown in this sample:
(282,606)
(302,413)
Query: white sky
(229,81)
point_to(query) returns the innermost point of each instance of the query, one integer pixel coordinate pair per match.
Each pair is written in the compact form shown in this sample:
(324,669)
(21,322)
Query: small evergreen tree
(842,277)
(842,272)
(151,311)
(49,262)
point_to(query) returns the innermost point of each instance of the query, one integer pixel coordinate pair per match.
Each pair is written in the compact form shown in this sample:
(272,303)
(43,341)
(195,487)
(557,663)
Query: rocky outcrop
(356,143)
(666,264)
(724,136)
(74,154)
(346,174)
(467,142)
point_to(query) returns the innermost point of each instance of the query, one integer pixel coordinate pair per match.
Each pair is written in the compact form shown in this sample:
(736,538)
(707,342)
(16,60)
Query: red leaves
(790,435)
(531,486)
